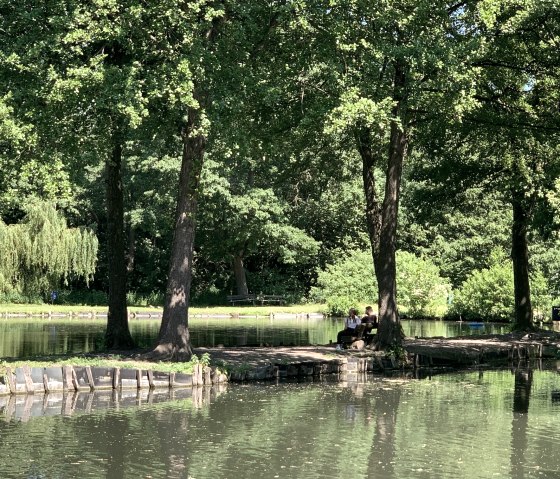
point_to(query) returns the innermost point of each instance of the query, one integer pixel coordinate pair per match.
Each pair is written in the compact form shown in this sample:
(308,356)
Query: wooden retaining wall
(29,380)
(72,390)
(34,380)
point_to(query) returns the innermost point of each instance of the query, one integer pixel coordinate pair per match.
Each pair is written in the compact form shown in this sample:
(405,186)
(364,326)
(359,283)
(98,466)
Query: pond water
(467,425)
(24,338)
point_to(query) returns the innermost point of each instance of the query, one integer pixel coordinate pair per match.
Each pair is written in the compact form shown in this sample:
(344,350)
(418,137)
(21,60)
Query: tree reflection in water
(519,426)
(381,459)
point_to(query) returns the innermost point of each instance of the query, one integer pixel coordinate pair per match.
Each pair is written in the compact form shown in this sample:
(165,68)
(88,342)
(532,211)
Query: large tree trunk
(174,340)
(117,335)
(382,227)
(240,275)
(373,208)
(520,257)
(390,333)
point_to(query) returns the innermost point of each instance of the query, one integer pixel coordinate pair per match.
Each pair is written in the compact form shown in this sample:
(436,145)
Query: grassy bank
(248,310)
(103,360)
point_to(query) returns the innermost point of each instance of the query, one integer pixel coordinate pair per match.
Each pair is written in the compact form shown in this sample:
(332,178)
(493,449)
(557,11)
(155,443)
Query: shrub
(89,297)
(340,305)
(487,294)
(136,299)
(348,281)
(541,299)
(420,289)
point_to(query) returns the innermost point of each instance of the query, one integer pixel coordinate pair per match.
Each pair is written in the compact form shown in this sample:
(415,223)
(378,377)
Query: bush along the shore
(487,294)
(422,292)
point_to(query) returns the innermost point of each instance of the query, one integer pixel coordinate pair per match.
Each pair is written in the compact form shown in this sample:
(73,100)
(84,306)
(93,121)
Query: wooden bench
(255,298)
(241,298)
(270,298)
(361,332)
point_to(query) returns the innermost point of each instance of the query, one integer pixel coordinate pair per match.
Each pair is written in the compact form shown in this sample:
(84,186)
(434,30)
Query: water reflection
(520,421)
(25,407)
(381,459)
(495,424)
(24,338)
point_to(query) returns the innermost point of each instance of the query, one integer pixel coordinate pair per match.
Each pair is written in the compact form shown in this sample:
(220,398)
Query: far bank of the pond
(43,310)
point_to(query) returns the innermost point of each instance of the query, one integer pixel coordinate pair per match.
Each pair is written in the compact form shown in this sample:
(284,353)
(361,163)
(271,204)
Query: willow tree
(41,251)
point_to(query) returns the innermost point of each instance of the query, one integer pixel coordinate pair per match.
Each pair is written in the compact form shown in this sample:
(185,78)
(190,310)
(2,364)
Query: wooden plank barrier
(66,379)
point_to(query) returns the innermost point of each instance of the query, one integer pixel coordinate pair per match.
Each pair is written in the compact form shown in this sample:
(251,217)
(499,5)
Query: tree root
(169,352)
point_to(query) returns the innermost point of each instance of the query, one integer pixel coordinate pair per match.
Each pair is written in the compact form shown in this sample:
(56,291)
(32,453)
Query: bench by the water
(255,298)
(361,333)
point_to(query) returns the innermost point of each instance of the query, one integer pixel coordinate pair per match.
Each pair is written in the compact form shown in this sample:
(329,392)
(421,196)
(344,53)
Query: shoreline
(237,364)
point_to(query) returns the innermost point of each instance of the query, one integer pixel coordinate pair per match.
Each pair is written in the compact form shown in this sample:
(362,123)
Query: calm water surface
(470,425)
(24,338)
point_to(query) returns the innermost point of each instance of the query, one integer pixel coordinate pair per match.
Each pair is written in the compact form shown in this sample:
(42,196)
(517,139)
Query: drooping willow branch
(41,251)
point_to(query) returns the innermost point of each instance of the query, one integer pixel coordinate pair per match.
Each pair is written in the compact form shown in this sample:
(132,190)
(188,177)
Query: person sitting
(371,322)
(350,325)
(370,319)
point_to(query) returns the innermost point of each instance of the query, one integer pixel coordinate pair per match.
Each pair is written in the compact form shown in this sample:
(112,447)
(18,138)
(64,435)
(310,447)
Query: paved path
(269,355)
(465,350)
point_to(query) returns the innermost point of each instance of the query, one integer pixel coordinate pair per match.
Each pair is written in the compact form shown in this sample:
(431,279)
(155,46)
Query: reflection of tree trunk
(522,391)
(116,447)
(117,335)
(240,275)
(519,442)
(381,457)
(520,257)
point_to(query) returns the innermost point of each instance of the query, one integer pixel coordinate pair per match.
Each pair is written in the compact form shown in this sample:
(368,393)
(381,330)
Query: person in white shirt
(350,324)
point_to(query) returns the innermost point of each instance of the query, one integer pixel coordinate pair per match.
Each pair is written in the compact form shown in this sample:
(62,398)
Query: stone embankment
(473,350)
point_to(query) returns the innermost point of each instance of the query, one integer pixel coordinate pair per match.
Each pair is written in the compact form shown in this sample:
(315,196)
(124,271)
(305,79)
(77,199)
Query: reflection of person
(350,325)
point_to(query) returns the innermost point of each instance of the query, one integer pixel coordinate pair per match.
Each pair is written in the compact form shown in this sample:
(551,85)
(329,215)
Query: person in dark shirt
(371,322)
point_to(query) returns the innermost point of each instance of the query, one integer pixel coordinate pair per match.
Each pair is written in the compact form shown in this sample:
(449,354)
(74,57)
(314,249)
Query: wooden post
(30,388)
